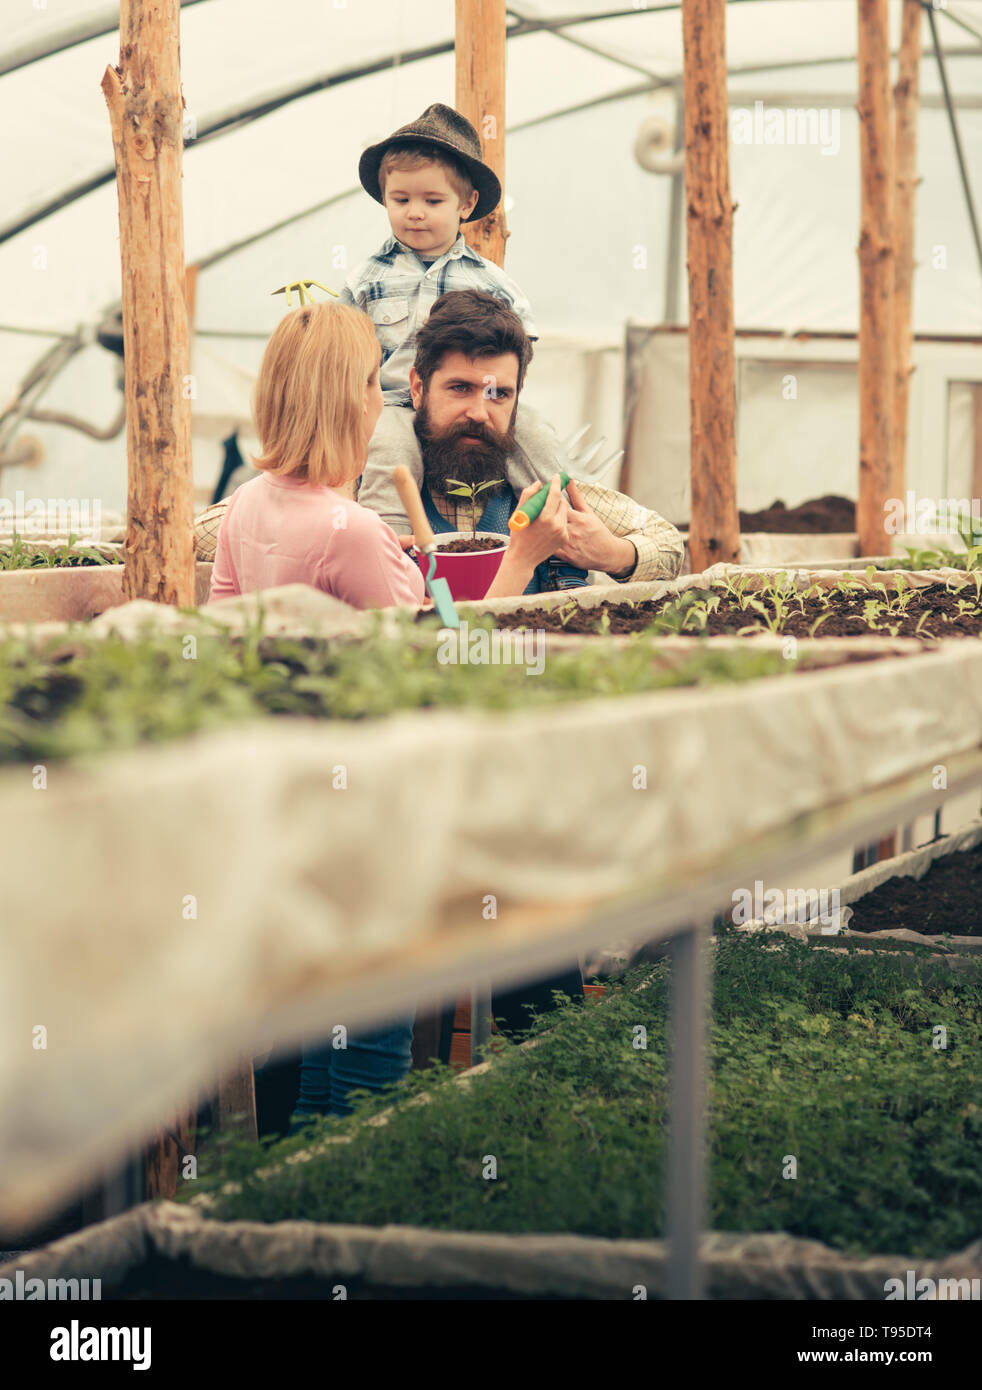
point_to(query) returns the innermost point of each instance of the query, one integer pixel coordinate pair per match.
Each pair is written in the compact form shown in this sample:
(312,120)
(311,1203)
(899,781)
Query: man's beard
(446,459)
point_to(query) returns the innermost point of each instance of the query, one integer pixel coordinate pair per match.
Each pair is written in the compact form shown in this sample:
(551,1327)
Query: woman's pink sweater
(283,530)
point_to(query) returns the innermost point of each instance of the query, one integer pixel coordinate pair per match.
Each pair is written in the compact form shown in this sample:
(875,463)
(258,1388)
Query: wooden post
(236,1101)
(479,51)
(977,443)
(145,109)
(714,529)
(877,352)
(163,1157)
(906,96)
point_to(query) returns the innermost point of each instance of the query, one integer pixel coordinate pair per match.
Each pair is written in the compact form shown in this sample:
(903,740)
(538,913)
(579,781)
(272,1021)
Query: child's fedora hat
(449,132)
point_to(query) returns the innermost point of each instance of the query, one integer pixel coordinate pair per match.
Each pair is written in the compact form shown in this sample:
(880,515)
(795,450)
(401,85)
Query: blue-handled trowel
(439,589)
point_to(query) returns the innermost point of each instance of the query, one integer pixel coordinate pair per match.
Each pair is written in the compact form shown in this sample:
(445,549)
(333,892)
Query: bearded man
(465,425)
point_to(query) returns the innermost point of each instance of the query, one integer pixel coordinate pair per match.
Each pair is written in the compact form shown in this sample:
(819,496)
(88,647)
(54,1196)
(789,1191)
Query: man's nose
(477,410)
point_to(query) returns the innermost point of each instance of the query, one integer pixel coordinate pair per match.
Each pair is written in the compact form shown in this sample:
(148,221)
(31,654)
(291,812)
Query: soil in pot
(932,612)
(469,547)
(946,899)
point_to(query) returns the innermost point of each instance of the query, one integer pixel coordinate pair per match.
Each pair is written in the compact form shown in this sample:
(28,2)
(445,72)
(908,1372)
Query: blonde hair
(310,393)
(410,156)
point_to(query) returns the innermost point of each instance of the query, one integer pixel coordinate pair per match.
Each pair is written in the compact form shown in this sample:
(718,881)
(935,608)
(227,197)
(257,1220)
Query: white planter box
(71,594)
(912,864)
(368,1261)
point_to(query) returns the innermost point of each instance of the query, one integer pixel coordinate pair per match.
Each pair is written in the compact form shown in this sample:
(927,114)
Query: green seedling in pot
(302,288)
(471,491)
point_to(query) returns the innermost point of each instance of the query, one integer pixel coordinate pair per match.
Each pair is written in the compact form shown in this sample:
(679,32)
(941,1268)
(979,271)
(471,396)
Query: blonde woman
(317,401)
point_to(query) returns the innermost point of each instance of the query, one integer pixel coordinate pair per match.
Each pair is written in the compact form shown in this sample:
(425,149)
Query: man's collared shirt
(397,289)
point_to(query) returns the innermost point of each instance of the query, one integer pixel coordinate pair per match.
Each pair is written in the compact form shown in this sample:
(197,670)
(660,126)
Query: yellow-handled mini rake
(302,288)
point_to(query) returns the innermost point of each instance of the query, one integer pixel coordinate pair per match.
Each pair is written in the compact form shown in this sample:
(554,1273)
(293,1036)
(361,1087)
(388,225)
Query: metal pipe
(959,155)
(686,1194)
(674,252)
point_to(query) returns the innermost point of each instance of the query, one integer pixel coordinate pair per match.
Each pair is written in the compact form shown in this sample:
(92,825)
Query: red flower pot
(470,575)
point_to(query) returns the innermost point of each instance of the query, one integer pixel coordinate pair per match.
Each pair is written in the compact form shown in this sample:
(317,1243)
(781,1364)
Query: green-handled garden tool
(525,514)
(439,589)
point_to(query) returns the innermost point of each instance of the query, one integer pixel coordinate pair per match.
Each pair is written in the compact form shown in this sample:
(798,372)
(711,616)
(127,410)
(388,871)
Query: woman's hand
(535,543)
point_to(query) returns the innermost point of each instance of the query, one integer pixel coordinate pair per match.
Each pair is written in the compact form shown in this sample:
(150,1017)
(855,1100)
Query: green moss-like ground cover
(82,694)
(826,1057)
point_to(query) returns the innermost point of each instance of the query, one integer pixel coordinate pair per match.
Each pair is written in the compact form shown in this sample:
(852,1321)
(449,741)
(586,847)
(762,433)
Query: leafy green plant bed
(938,557)
(826,1058)
(79,693)
(753,604)
(19,554)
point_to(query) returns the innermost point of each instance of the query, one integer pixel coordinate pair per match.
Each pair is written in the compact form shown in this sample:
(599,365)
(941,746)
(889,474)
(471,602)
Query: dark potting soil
(947,899)
(845,618)
(468,547)
(822,515)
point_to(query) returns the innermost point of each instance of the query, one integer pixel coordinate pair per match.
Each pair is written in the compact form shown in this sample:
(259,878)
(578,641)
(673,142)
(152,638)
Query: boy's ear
(468,207)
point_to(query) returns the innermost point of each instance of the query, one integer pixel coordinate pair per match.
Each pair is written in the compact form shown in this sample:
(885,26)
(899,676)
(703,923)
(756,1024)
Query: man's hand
(590,545)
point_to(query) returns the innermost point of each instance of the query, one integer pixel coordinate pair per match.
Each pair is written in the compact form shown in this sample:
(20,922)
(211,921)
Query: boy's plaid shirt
(659,546)
(397,290)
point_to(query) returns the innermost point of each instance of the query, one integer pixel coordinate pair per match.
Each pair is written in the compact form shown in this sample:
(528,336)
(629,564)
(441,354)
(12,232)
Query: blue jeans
(369,1062)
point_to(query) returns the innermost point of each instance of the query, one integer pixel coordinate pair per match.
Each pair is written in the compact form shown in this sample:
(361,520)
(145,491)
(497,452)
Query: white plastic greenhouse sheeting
(306,916)
(798,423)
(589,226)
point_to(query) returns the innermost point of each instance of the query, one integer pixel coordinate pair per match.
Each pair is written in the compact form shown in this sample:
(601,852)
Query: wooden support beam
(714,530)
(235,1108)
(977,443)
(145,109)
(164,1159)
(877,346)
(479,52)
(906,97)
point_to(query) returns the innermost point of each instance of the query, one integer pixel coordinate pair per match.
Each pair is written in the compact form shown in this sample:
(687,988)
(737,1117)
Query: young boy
(430,178)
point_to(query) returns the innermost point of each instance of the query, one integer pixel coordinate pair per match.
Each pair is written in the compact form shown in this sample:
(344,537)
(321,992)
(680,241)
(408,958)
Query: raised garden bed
(823,528)
(935,892)
(925,898)
(824,1058)
(51,581)
(301,922)
(728,601)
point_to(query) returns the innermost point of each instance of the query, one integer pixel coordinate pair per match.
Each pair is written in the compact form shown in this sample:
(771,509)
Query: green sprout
(471,491)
